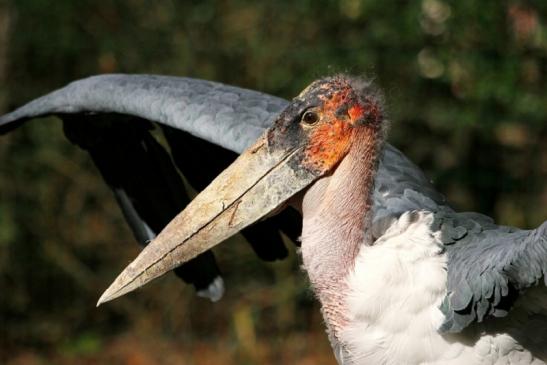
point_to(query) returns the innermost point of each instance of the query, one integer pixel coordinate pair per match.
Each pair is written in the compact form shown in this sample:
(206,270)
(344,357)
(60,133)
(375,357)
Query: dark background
(465,88)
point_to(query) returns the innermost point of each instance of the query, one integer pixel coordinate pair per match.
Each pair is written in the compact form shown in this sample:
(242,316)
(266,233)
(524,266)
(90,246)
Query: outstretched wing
(227,116)
(107,117)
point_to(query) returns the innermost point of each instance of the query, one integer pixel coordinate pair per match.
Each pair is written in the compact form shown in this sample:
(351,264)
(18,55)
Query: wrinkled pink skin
(336,217)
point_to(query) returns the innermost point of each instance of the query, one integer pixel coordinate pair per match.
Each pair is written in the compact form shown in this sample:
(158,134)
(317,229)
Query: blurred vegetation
(465,87)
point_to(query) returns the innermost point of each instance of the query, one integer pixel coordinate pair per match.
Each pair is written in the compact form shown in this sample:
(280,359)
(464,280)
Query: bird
(401,277)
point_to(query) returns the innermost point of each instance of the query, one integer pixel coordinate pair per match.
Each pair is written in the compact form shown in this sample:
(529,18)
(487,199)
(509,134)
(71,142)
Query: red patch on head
(327,144)
(356,112)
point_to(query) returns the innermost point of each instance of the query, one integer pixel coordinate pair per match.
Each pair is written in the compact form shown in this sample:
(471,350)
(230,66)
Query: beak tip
(132,277)
(105,297)
(115,290)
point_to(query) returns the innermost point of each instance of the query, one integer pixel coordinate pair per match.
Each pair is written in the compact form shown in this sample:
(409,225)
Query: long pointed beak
(258,182)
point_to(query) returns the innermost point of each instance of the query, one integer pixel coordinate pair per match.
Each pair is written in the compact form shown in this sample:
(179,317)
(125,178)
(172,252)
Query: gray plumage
(227,116)
(488,265)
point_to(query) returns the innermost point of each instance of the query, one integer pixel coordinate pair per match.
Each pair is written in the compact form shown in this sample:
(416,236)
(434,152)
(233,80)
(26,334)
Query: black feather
(144,180)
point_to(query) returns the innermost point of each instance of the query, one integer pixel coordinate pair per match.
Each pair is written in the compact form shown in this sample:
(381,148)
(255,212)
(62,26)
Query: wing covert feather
(225,115)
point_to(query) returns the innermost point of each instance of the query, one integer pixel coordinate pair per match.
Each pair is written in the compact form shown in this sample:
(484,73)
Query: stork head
(308,141)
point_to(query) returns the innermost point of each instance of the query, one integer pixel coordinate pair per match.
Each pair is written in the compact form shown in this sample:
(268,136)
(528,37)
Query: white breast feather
(396,289)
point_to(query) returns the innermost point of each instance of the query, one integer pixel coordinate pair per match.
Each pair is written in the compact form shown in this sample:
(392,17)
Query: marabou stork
(401,277)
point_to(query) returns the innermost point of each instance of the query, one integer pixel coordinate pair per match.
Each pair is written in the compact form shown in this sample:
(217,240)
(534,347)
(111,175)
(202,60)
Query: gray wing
(104,116)
(224,115)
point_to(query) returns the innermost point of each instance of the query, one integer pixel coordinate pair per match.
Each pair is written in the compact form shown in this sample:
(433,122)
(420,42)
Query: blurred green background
(465,88)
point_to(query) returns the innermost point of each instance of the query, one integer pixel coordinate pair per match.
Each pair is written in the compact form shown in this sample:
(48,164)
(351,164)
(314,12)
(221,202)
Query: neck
(336,219)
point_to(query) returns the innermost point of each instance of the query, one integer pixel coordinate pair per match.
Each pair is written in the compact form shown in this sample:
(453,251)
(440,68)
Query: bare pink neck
(335,225)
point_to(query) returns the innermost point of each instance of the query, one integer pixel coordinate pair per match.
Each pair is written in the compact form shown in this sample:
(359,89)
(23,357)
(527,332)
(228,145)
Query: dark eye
(310,118)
